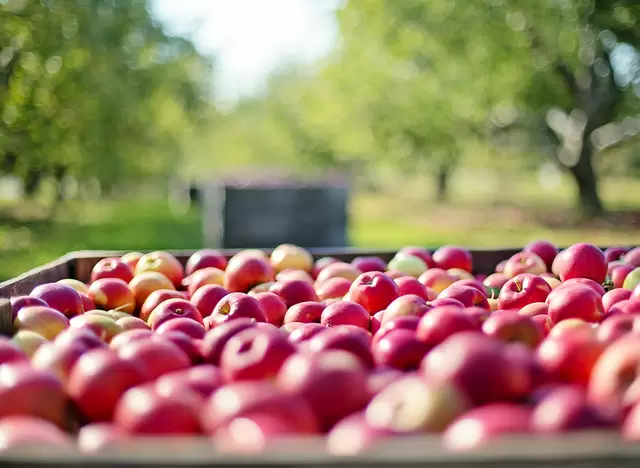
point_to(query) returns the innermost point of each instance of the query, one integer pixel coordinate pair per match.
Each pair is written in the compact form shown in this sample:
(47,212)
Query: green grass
(511,213)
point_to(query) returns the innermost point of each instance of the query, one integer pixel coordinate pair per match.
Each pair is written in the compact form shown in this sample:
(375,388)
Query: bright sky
(250,38)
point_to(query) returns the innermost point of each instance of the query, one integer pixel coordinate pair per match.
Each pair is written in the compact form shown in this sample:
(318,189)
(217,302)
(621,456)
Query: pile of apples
(253,349)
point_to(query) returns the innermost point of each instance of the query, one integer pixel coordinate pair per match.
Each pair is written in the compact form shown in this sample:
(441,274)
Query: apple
(535,308)
(235,305)
(405,322)
(99,438)
(552,281)
(509,326)
(58,359)
(376,322)
(321,263)
(331,382)
(260,288)
(85,338)
(132,323)
(9,352)
(293,292)
(570,357)
(615,264)
(617,326)
(132,259)
(206,298)
(172,309)
(245,272)
(103,326)
(632,280)
(410,265)
(202,379)
(353,435)
(343,338)
(632,257)
(460,274)
(569,325)
(202,278)
(338,269)
(18,302)
(421,253)
(494,283)
(410,405)
(630,306)
(451,256)
(156,298)
(111,268)
(216,339)
(369,263)
(143,411)
(584,282)
(255,354)
(405,305)
(581,261)
(631,426)
(395,274)
(286,275)
(44,321)
(478,314)
(305,332)
(442,322)
(26,432)
(144,284)
(544,324)
(191,328)
(345,313)
(524,262)
(374,291)
(478,366)
(411,285)
(158,355)
(28,341)
(249,253)
(619,274)
(500,266)
(543,249)
(522,290)
(161,262)
(25,391)
(305,312)
(336,287)
(205,258)
(467,295)
(380,378)
(253,434)
(289,256)
(615,253)
(479,426)
(112,293)
(61,297)
(576,301)
(78,285)
(399,349)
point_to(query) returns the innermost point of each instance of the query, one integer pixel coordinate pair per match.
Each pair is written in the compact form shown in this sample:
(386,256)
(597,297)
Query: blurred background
(138,125)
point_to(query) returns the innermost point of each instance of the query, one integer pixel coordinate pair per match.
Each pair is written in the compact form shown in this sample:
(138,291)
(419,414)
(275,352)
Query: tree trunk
(442,182)
(589,200)
(32,182)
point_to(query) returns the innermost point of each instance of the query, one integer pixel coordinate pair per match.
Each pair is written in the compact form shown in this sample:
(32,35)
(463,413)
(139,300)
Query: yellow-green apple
(615,253)
(575,301)
(524,262)
(112,294)
(522,290)
(450,256)
(345,313)
(158,355)
(374,291)
(58,358)
(246,271)
(442,322)
(369,263)
(479,426)
(200,278)
(494,283)
(399,349)
(619,274)
(216,339)
(460,274)
(543,249)
(155,299)
(274,307)
(104,327)
(18,302)
(132,323)
(305,332)
(411,285)
(509,326)
(437,279)
(632,257)
(613,297)
(100,437)
(535,308)
(132,259)
(468,296)
(78,285)
(289,256)
(341,269)
(171,309)
(44,321)
(205,258)
(421,253)
(28,341)
(293,292)
(405,305)
(333,288)
(161,262)
(25,432)
(411,405)
(206,298)
(112,268)
(144,284)
(408,264)
(61,297)
(321,263)
(581,261)
(331,382)
(631,281)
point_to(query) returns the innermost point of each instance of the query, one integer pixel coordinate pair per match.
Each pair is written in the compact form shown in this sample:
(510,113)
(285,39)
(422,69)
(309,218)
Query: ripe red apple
(632,257)
(343,338)
(617,326)
(112,294)
(544,324)
(478,314)
(58,359)
(245,272)
(172,309)
(253,434)
(331,382)
(576,301)
(132,323)
(535,308)
(207,297)
(216,339)
(345,313)
(411,285)
(25,391)
(156,298)
(451,256)
(336,287)
(509,326)
(129,336)
(421,253)
(524,262)
(338,269)
(468,296)
(405,322)
(159,355)
(543,249)
(202,278)
(203,379)
(236,305)
(615,253)
(442,322)
(161,262)
(369,263)
(61,297)
(293,292)
(305,332)
(84,337)
(289,256)
(25,432)
(399,349)
(581,261)
(522,290)
(405,305)
(18,302)
(570,325)
(205,258)
(191,328)
(255,354)
(112,268)
(44,321)
(630,306)
(477,427)
(305,312)
(132,259)
(99,438)
(144,284)
(376,322)
(584,282)
(143,411)
(321,263)
(619,274)
(353,435)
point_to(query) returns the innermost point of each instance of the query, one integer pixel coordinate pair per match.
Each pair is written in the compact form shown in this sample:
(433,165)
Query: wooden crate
(585,449)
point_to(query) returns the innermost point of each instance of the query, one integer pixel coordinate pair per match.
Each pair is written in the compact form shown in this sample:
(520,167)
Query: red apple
(112,268)
(630,306)
(207,297)
(336,287)
(203,379)
(245,272)
(468,296)
(305,312)
(500,266)
(421,253)
(338,269)
(442,322)
(509,326)
(112,294)
(253,433)
(400,349)
(478,314)
(584,282)
(158,355)
(99,438)
(411,285)
(577,301)
(132,259)
(9,352)
(374,291)
(44,321)
(58,359)
(543,249)
(130,336)
(535,308)
(255,354)
(367,264)
(305,332)
(353,435)
(143,411)
(144,284)
(191,328)
(477,427)
(453,257)
(172,309)
(202,278)
(619,274)
(381,377)
(617,326)
(632,257)
(294,292)
(26,432)
(581,261)
(615,253)
(237,305)
(522,290)
(345,339)
(25,391)
(376,322)
(345,313)
(405,305)
(61,297)
(331,382)
(85,338)
(205,258)
(156,298)
(321,263)
(524,262)
(544,324)
(18,302)
(161,262)
(216,339)
(405,322)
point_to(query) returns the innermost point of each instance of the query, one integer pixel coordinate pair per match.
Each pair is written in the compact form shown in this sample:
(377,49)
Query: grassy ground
(509,212)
